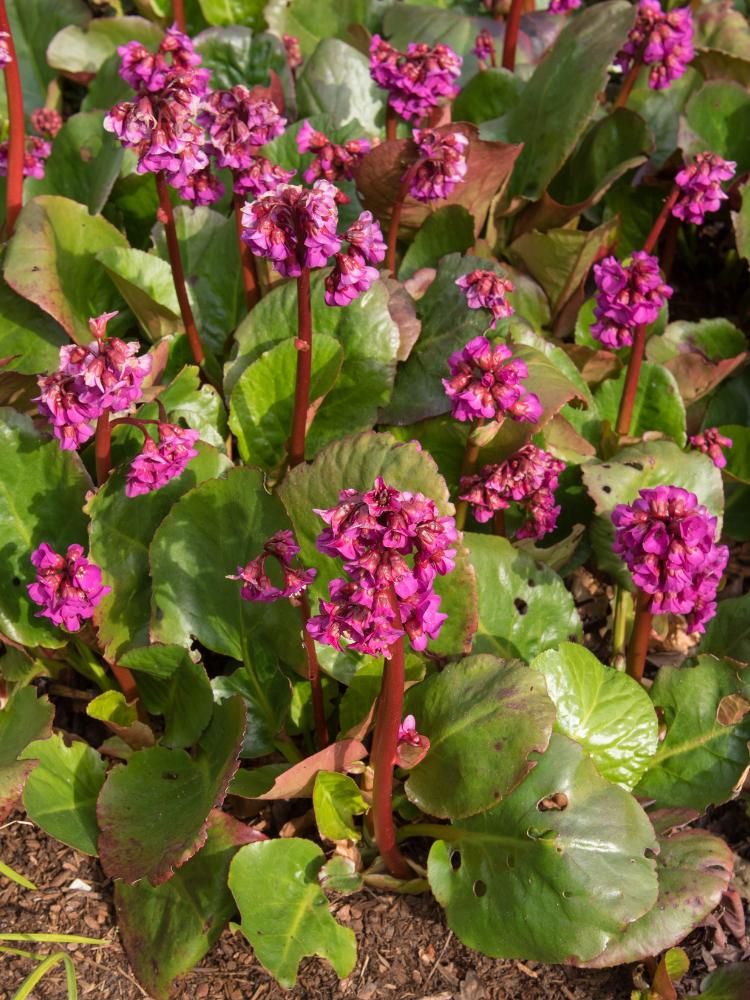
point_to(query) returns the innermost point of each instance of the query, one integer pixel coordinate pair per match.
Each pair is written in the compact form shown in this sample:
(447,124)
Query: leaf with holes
(23,719)
(553,872)
(483,717)
(153,811)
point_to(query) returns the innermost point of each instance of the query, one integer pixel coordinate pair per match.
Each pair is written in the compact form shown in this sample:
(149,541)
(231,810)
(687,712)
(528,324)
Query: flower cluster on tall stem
(563,6)
(661,40)
(628,296)
(712,443)
(160,461)
(16,151)
(332,161)
(484,49)
(699,187)
(67,587)
(393,546)
(487,290)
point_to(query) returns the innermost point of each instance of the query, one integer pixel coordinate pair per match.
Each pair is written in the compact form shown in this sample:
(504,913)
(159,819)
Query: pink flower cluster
(104,376)
(628,297)
(393,545)
(529,478)
(159,462)
(700,187)
(416,80)
(487,290)
(333,161)
(563,6)
(257,585)
(485,383)
(411,746)
(667,541)
(35,156)
(293,52)
(67,588)
(5,57)
(660,39)
(352,274)
(484,48)
(440,166)
(46,121)
(711,443)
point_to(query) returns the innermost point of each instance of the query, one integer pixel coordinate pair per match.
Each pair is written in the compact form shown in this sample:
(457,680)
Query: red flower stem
(178,274)
(313,673)
(126,681)
(304,370)
(103,448)
(16,134)
(628,83)
(512,26)
(388,719)
(398,207)
(670,246)
(468,465)
(498,524)
(493,58)
(666,210)
(178,14)
(638,645)
(247,259)
(629,390)
(391,123)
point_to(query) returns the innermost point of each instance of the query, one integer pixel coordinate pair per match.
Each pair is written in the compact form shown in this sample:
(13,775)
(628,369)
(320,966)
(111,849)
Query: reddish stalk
(391,123)
(304,370)
(468,465)
(628,84)
(388,719)
(247,259)
(16,133)
(638,645)
(670,246)
(313,674)
(498,524)
(103,448)
(666,209)
(512,26)
(398,207)
(178,274)
(178,14)
(493,59)
(126,681)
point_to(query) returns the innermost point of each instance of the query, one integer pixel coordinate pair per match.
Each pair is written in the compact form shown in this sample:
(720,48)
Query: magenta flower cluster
(563,6)
(628,296)
(668,542)
(711,442)
(256,583)
(487,290)
(528,478)
(662,40)
(159,462)
(486,383)
(5,57)
(106,375)
(484,48)
(67,588)
(416,80)
(293,52)
(699,186)
(332,161)
(353,272)
(46,121)
(35,156)
(440,165)
(393,546)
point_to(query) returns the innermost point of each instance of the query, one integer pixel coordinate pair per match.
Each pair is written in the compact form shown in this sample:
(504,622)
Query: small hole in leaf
(521,606)
(635,465)
(566,894)
(170,776)
(606,466)
(531,583)
(455,860)
(649,853)
(510,861)
(479,888)
(16,582)
(606,489)
(553,803)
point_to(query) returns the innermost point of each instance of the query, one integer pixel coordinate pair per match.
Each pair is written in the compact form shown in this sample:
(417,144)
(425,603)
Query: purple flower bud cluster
(5,57)
(485,383)
(528,478)
(35,156)
(257,585)
(484,47)
(104,375)
(563,6)
(393,545)
(629,296)
(667,541)
(487,290)
(440,166)
(46,121)
(261,177)
(352,274)
(416,80)
(700,187)
(67,588)
(158,463)
(661,40)
(293,52)
(333,161)
(711,443)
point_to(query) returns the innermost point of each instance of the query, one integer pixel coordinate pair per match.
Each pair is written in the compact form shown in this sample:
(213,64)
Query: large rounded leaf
(719,115)
(23,718)
(728,633)
(657,406)
(483,718)
(607,712)
(554,871)
(336,81)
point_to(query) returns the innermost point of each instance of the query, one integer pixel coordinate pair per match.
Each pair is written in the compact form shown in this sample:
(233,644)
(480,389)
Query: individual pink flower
(293,52)
(237,125)
(486,383)
(629,296)
(668,542)
(661,40)
(67,588)
(411,746)
(440,166)
(5,57)
(487,290)
(417,80)
(711,442)
(36,154)
(46,121)
(257,585)
(700,187)
(484,48)
(160,462)
(332,161)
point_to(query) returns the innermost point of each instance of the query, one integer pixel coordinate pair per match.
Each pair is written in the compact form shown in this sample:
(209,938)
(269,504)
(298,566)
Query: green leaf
(730,982)
(167,929)
(694,869)
(23,718)
(728,633)
(719,115)
(328,19)
(701,759)
(153,811)
(198,406)
(121,717)
(657,406)
(255,783)
(448,230)
(335,80)
(262,401)
(548,884)
(29,338)
(607,712)
(51,260)
(560,99)
(146,283)
(284,912)
(42,492)
(234,55)
(339,874)
(184,699)
(83,48)
(121,531)
(229,12)
(61,792)
(336,801)
(738,456)
(364,686)
(220,524)
(524,608)
(84,164)
(355,462)
(662,111)
(483,718)
(732,404)
(487,95)
(267,694)
(741,223)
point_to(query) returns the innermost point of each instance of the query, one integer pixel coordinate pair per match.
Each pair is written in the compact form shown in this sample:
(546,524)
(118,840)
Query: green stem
(623,607)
